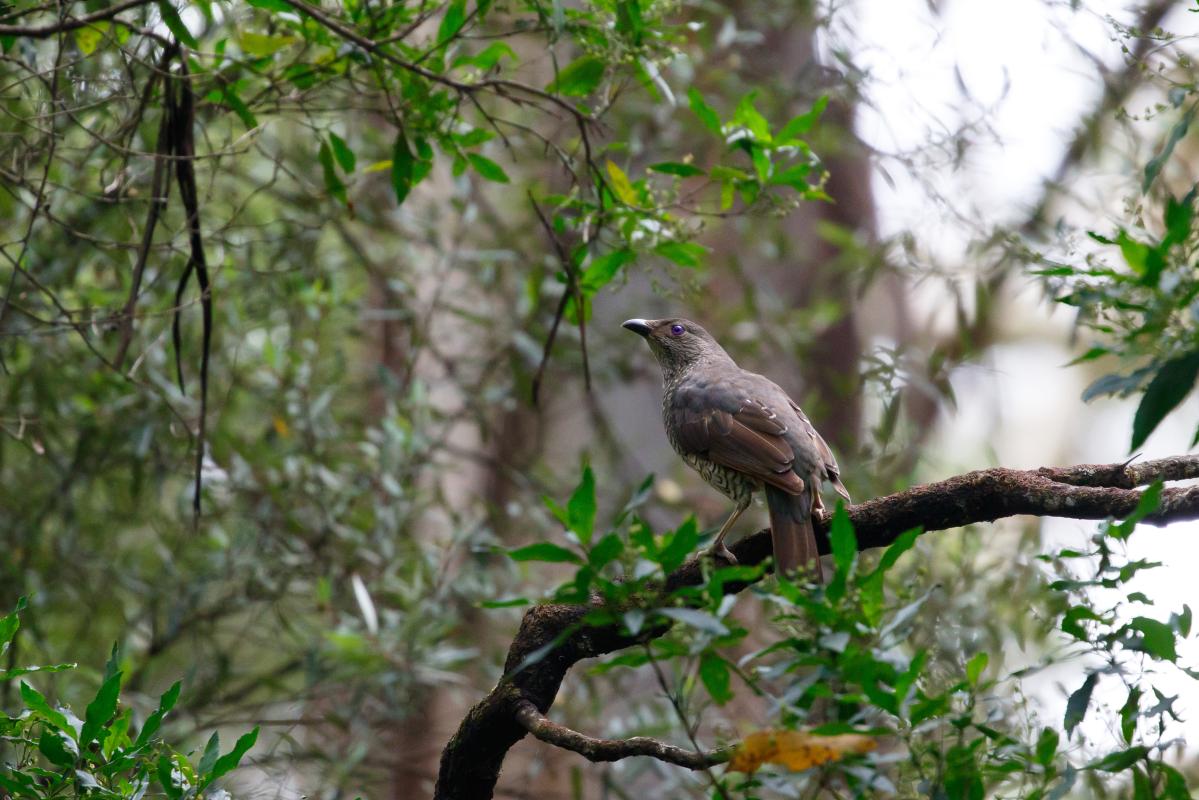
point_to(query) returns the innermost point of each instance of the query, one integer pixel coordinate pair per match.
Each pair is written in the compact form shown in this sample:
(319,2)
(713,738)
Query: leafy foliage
(49,751)
(848,676)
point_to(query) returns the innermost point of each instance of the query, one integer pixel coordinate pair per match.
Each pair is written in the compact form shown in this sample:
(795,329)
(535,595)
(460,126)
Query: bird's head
(677,343)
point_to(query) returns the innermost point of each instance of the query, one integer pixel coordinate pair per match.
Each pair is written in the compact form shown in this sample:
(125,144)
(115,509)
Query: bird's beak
(640,327)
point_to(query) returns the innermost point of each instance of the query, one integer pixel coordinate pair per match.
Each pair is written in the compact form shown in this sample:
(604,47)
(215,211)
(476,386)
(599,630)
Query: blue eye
(677,330)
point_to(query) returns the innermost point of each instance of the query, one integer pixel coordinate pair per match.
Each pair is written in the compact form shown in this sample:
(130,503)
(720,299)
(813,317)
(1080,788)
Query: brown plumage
(742,433)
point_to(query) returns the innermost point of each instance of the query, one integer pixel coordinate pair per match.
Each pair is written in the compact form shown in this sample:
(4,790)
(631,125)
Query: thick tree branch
(471,761)
(594,749)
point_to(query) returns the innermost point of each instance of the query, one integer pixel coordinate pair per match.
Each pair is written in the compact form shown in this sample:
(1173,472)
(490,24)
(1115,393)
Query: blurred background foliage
(422,224)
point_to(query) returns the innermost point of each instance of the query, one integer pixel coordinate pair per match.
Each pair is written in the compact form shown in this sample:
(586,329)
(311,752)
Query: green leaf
(1143,259)
(278,6)
(751,119)
(714,672)
(800,125)
(228,762)
(333,184)
(402,164)
(579,78)
(234,101)
(544,551)
(58,748)
(903,543)
(705,112)
(1128,714)
(606,550)
(1169,386)
(36,702)
(676,168)
(1076,706)
(975,667)
(487,168)
(212,752)
(1154,167)
(16,672)
(845,548)
(261,45)
(602,270)
(487,58)
(512,602)
(685,254)
(101,709)
(1156,639)
(342,152)
(680,545)
(580,508)
(170,18)
(1179,216)
(154,721)
(1046,746)
(452,22)
(1119,760)
(11,623)
(167,778)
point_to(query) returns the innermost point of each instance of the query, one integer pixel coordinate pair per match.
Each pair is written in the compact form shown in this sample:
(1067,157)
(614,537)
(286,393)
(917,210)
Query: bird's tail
(791,531)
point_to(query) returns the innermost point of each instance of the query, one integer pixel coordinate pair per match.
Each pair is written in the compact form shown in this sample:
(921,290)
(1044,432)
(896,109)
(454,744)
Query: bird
(743,434)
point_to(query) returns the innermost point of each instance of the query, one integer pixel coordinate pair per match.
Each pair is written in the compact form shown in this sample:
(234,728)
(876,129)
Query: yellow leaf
(621,185)
(281,427)
(795,750)
(260,45)
(88,38)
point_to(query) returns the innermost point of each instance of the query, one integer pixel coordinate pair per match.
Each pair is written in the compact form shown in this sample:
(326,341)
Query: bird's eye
(677,330)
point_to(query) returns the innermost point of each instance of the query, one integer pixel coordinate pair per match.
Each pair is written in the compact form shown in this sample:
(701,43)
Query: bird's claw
(720,551)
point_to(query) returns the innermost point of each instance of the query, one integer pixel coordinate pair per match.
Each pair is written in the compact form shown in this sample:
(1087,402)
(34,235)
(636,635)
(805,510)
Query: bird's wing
(735,430)
(831,471)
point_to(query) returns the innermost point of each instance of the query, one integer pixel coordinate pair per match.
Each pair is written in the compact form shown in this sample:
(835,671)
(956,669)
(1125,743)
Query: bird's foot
(720,551)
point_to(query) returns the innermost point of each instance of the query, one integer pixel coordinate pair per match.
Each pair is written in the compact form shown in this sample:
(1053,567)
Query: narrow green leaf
(975,667)
(212,752)
(171,19)
(342,152)
(1119,760)
(228,762)
(842,540)
(1154,167)
(1080,700)
(402,164)
(512,602)
(452,22)
(1046,746)
(1169,386)
(677,168)
(707,115)
(1128,714)
(234,101)
(581,507)
(714,672)
(333,183)
(154,721)
(800,125)
(487,168)
(101,709)
(545,551)
(36,702)
(261,45)
(579,78)
(10,624)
